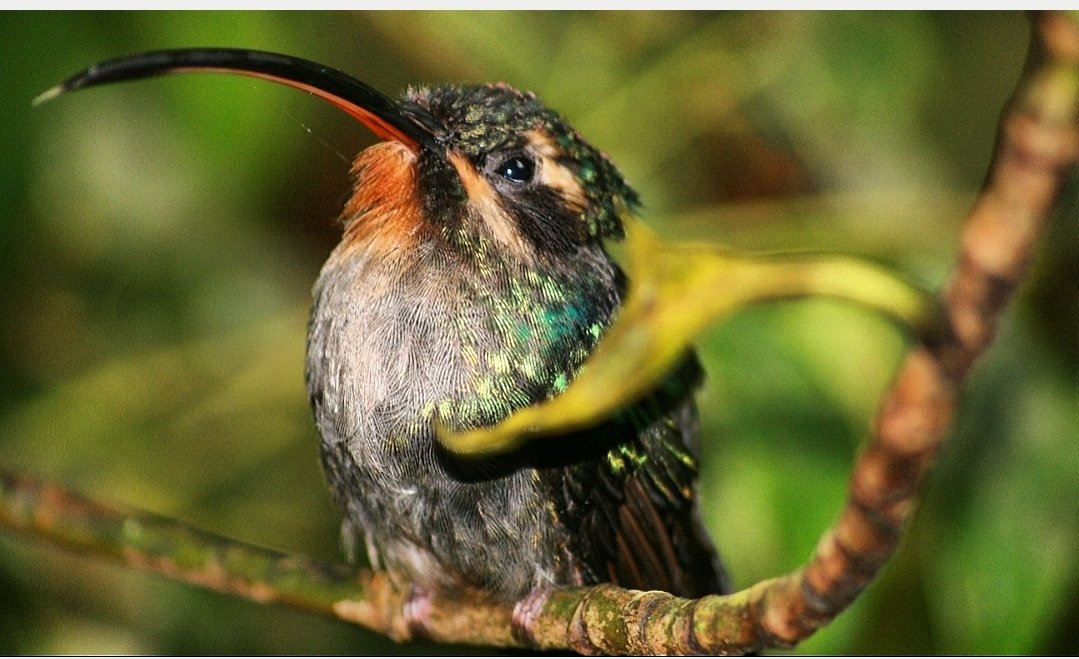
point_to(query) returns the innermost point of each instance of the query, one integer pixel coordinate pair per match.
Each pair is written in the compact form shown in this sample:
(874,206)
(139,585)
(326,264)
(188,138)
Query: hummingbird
(471,280)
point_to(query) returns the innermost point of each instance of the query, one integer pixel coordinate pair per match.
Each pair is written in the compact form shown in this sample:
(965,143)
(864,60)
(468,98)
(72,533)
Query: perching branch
(1037,146)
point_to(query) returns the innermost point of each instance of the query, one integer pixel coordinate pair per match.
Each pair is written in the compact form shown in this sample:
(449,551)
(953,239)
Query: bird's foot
(417,611)
(525,612)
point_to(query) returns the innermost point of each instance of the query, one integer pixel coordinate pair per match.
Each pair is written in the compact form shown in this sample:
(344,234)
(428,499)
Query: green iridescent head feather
(482,119)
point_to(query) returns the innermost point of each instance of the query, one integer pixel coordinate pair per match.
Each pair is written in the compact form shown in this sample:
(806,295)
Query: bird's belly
(396,340)
(377,377)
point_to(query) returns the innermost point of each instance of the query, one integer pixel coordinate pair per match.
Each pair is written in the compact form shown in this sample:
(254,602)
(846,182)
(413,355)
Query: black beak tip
(48,95)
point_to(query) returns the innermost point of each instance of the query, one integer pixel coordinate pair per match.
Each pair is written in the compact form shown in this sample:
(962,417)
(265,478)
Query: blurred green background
(159,240)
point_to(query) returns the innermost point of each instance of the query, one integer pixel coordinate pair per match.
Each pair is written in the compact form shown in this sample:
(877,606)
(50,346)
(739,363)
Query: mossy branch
(1037,147)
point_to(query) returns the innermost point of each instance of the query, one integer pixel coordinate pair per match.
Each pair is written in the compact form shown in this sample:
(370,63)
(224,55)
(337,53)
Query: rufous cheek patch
(384,212)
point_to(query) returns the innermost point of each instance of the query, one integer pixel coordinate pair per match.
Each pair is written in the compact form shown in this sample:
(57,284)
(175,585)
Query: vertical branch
(1037,146)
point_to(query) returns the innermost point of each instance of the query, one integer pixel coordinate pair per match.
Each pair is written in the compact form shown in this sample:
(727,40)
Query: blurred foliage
(159,241)
(676,291)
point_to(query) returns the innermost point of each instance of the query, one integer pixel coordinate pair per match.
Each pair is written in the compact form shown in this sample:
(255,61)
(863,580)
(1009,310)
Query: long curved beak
(384,116)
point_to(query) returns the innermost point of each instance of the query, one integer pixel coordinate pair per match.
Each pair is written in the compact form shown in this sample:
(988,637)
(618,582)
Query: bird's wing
(631,514)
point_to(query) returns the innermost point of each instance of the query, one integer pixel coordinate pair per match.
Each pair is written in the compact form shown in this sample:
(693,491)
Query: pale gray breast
(384,349)
(381,349)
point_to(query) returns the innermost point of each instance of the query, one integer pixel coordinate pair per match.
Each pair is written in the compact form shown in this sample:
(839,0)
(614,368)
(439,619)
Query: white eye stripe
(551,173)
(485,208)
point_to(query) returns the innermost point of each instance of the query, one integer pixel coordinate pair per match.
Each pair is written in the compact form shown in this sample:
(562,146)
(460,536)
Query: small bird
(471,280)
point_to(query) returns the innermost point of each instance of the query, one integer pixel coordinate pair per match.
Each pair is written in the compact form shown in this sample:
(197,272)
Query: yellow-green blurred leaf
(675,292)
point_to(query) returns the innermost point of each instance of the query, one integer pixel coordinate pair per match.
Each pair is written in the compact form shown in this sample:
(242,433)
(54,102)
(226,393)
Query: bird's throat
(384,213)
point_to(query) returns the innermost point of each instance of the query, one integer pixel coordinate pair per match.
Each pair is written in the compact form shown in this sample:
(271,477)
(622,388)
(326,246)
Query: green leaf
(676,291)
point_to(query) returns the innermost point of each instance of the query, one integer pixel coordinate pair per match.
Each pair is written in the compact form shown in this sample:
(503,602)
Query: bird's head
(483,165)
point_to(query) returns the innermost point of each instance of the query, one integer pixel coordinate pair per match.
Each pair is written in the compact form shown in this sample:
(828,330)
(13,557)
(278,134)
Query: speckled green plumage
(495,118)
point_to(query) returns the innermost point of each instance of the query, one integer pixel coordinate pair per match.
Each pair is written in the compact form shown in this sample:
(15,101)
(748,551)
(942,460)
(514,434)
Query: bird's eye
(518,169)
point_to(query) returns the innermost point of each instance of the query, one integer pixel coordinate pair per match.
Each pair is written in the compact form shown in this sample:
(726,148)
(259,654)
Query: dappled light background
(159,239)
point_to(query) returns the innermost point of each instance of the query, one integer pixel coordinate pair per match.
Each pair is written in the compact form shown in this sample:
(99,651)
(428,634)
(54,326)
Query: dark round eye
(518,169)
